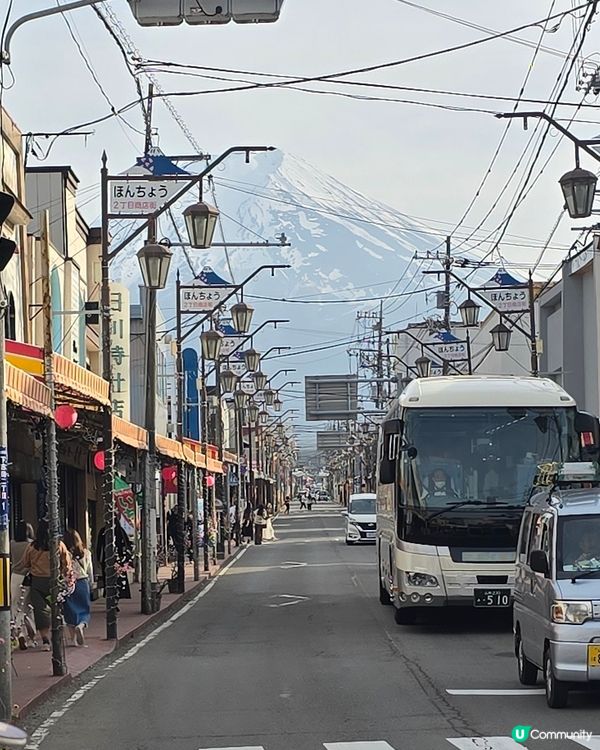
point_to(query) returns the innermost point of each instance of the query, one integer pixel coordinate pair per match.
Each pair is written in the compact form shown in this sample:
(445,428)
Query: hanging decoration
(169,477)
(210,480)
(65,416)
(99,460)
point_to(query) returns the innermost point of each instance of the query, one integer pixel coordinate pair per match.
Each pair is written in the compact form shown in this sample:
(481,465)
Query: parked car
(323,496)
(361,521)
(556,616)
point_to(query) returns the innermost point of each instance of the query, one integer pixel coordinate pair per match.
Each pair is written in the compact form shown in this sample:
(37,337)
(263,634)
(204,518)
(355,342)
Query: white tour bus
(457,457)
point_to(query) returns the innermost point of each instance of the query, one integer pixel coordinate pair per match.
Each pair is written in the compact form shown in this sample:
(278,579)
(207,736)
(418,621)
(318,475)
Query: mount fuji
(344,247)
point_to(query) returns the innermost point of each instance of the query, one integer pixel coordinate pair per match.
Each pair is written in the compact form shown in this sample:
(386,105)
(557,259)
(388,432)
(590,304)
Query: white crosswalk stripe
(486,743)
(374,745)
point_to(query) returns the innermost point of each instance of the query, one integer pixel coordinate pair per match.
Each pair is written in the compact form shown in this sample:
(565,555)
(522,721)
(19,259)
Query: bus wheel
(405,616)
(384,597)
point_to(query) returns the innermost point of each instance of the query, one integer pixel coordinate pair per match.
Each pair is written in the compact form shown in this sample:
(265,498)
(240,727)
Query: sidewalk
(32,669)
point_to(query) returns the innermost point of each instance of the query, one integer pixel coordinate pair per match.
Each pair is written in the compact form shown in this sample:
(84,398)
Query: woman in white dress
(269,531)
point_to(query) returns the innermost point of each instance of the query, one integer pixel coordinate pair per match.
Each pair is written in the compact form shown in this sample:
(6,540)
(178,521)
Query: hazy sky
(424,161)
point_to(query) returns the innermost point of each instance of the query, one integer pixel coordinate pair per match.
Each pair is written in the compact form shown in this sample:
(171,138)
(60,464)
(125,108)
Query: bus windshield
(485,454)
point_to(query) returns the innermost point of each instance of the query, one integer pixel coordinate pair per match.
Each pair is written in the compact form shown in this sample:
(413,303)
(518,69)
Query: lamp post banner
(137,197)
(507,300)
(228,344)
(451,351)
(202,297)
(506,293)
(248,387)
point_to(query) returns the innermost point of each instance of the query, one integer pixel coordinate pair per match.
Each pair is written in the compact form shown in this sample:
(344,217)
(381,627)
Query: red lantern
(99,460)
(210,480)
(65,416)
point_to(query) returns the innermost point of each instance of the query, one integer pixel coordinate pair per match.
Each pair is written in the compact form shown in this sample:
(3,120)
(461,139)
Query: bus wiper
(462,503)
(584,574)
(454,506)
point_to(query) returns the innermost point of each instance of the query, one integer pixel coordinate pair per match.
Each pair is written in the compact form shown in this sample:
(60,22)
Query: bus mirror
(393,427)
(538,562)
(391,431)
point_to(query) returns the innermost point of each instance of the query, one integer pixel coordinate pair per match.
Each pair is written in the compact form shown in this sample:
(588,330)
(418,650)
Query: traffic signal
(204,12)
(7,247)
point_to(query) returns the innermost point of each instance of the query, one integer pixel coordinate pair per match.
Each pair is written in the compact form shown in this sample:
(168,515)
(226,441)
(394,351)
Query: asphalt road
(291,650)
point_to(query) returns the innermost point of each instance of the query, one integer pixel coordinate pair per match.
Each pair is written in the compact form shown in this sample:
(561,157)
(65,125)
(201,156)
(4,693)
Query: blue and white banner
(506,293)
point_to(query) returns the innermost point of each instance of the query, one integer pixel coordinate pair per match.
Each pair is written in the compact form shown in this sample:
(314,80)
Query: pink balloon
(65,416)
(210,480)
(99,461)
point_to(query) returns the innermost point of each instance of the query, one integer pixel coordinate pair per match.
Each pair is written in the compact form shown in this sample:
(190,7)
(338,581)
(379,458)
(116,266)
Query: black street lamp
(263,417)
(154,263)
(241,316)
(228,381)
(211,344)
(201,221)
(252,410)
(269,397)
(423,365)
(501,337)
(277,404)
(251,360)
(579,187)
(405,381)
(469,313)
(260,380)
(240,398)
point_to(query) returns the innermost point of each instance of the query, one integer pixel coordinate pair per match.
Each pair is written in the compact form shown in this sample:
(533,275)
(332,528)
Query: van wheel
(557,691)
(528,672)
(405,616)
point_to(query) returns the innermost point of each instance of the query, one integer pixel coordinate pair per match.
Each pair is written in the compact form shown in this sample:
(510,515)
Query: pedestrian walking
(247,525)
(302,502)
(260,521)
(269,531)
(20,599)
(36,561)
(309,501)
(287,505)
(77,604)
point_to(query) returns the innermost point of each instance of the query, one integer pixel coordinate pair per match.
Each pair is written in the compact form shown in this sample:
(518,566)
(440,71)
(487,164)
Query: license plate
(492,598)
(594,655)
(370,535)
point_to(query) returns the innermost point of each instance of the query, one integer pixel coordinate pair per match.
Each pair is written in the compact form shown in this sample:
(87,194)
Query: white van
(361,522)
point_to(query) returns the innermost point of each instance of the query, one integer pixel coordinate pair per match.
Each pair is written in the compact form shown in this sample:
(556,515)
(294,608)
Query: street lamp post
(154,263)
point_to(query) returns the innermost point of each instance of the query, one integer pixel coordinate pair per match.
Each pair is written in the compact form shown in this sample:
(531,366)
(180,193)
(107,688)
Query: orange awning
(78,381)
(230,458)
(129,433)
(168,447)
(25,390)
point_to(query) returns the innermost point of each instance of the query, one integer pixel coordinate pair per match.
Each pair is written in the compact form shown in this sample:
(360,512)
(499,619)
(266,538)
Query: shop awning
(229,457)
(129,433)
(25,390)
(76,381)
(169,447)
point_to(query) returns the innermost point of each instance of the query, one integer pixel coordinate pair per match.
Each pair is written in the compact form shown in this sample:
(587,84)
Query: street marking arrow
(291,600)
(289,565)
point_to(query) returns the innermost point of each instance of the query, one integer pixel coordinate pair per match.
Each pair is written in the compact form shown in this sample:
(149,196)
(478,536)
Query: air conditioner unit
(256,11)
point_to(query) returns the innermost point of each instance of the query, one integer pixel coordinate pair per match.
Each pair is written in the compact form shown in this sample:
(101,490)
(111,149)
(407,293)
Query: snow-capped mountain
(344,246)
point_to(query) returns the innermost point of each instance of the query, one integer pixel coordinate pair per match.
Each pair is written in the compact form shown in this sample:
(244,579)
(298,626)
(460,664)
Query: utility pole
(206,510)
(532,328)
(6,703)
(59,666)
(447,269)
(379,401)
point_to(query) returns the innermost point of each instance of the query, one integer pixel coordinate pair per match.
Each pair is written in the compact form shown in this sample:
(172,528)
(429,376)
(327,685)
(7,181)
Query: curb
(176,604)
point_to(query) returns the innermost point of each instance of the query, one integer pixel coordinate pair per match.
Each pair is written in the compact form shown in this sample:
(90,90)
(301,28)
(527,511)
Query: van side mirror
(391,432)
(538,562)
(588,429)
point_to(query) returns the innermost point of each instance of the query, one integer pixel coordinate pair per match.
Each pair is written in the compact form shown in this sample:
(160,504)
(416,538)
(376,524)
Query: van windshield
(578,544)
(362,506)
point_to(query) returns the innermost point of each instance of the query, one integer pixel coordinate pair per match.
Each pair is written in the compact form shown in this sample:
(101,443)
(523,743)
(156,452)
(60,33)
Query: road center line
(40,734)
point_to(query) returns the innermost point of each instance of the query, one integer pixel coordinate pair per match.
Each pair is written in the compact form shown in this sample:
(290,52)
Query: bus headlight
(571,613)
(422,579)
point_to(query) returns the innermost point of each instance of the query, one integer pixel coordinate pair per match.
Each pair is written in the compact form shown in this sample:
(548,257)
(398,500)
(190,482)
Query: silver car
(556,614)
